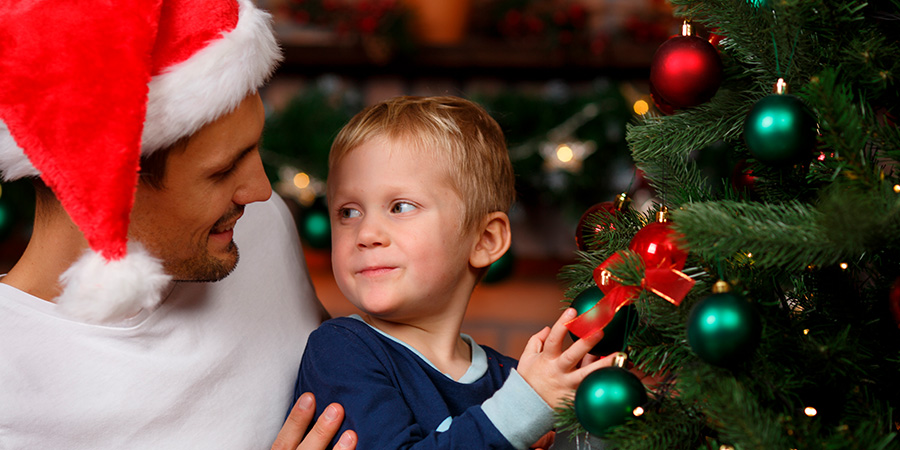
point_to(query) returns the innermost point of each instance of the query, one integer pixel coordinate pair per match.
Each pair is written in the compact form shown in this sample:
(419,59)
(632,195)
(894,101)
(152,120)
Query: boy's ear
(493,241)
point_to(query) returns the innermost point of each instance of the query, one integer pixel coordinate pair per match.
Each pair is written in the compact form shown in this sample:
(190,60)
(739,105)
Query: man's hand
(289,438)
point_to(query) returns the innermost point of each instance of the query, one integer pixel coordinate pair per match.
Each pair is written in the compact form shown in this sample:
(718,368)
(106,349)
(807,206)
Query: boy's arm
(338,367)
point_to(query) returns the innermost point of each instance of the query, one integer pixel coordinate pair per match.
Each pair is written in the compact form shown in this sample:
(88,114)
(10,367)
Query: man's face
(188,222)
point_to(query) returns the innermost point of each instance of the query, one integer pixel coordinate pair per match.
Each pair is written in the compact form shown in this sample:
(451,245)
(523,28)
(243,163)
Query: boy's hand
(318,438)
(553,373)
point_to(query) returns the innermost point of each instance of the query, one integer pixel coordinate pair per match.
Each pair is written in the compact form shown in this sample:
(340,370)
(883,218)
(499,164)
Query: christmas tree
(765,307)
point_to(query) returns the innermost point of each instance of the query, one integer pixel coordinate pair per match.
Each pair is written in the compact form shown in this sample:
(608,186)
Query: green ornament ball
(780,130)
(7,219)
(315,227)
(723,329)
(607,398)
(616,331)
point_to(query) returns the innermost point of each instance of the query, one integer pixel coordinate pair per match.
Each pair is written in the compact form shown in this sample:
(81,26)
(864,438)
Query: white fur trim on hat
(182,99)
(96,290)
(13,162)
(192,93)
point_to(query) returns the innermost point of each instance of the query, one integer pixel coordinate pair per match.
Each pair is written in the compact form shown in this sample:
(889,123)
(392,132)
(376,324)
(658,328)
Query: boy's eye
(402,207)
(349,213)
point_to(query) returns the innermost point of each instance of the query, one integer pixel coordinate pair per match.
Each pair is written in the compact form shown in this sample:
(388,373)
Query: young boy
(418,192)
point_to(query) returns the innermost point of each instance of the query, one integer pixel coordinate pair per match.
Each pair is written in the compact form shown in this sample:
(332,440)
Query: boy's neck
(439,341)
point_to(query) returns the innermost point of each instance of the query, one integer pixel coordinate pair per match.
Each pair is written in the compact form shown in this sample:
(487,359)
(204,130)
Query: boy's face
(397,250)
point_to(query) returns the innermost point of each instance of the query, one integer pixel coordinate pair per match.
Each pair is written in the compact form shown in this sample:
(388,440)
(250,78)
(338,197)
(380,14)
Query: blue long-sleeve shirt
(394,398)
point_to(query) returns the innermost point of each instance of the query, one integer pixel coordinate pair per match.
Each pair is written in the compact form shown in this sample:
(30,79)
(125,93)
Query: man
(105,342)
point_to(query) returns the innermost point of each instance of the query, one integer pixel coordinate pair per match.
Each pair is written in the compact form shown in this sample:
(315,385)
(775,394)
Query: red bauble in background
(742,178)
(657,245)
(584,230)
(715,38)
(894,301)
(686,71)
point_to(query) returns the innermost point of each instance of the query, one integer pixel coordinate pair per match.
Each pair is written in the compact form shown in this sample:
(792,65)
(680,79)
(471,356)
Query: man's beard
(204,267)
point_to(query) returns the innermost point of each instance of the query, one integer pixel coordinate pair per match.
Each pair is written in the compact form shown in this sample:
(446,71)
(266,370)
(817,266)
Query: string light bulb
(564,153)
(810,411)
(641,107)
(301,180)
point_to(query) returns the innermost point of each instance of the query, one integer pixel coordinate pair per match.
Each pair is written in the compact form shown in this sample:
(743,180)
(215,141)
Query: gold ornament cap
(621,202)
(781,87)
(721,287)
(662,215)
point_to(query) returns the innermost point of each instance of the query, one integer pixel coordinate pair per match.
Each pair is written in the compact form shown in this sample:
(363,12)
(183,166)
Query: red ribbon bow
(666,281)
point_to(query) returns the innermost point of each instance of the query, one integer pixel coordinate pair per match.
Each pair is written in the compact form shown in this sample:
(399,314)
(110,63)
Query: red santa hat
(86,88)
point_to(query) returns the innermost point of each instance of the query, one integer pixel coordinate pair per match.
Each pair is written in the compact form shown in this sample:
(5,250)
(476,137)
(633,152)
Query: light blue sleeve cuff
(518,412)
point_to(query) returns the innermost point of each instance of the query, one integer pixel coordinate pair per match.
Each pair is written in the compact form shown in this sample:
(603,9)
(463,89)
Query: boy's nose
(372,233)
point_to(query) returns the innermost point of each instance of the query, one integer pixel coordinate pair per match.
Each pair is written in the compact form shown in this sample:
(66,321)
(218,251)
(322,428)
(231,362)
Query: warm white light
(301,180)
(641,107)
(844,266)
(897,188)
(806,331)
(749,255)
(638,411)
(810,411)
(564,153)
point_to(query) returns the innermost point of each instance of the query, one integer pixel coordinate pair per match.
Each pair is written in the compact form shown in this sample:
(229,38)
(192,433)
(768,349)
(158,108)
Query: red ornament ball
(742,178)
(661,104)
(584,229)
(656,243)
(686,71)
(894,301)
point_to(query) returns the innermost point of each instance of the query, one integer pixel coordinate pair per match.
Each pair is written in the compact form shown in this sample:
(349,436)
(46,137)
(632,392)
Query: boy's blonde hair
(457,132)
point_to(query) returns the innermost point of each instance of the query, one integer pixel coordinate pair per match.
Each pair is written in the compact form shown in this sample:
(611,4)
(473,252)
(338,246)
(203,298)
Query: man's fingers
(347,441)
(325,428)
(298,420)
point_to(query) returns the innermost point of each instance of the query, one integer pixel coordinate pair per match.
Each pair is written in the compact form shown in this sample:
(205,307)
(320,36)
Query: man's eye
(402,207)
(349,213)
(224,173)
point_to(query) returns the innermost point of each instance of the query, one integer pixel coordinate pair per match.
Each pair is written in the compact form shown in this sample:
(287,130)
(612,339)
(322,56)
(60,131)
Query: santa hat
(86,88)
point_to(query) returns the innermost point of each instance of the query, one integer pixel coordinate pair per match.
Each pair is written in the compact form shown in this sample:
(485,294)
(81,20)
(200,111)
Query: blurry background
(562,77)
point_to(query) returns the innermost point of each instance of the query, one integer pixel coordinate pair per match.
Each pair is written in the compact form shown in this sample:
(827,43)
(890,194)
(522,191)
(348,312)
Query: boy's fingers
(582,346)
(554,343)
(605,361)
(536,342)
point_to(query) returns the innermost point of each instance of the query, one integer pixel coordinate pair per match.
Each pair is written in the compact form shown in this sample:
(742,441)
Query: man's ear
(493,240)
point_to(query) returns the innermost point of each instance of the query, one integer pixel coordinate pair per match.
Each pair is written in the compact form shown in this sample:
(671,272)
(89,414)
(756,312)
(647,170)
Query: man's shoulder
(261,213)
